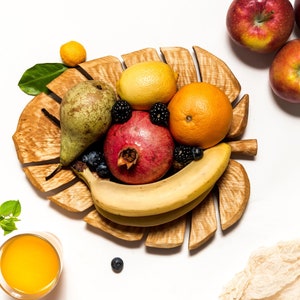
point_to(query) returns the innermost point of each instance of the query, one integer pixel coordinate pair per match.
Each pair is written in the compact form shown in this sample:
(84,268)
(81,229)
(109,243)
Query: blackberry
(117,264)
(159,114)
(121,111)
(183,155)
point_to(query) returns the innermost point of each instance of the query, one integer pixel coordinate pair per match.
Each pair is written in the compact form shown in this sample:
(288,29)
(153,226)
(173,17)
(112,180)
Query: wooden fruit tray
(37,143)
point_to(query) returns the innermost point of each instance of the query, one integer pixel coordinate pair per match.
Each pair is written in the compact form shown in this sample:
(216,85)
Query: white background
(32,31)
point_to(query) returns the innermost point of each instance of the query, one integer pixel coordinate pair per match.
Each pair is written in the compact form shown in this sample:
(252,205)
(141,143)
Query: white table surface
(32,32)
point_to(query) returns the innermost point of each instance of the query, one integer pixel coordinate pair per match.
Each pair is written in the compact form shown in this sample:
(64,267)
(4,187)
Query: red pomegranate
(138,151)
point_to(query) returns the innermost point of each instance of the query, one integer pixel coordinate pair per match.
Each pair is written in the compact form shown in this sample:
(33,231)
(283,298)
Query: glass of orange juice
(30,265)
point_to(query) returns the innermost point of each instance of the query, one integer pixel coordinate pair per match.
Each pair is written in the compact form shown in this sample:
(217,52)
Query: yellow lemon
(146,83)
(72,53)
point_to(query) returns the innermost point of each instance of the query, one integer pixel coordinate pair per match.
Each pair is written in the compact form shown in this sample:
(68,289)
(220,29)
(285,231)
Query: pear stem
(56,170)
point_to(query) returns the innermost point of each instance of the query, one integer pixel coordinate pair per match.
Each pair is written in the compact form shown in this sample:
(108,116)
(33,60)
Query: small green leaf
(9,211)
(35,79)
(8,225)
(10,208)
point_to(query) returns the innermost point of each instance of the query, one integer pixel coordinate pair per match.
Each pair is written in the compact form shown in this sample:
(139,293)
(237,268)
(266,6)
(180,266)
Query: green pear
(85,116)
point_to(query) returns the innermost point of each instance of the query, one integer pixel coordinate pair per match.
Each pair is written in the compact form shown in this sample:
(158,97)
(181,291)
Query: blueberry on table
(117,264)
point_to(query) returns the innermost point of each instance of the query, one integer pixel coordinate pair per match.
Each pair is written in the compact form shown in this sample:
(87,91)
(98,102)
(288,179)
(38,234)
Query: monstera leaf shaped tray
(37,143)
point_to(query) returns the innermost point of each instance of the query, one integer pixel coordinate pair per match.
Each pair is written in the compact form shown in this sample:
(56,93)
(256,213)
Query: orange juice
(30,265)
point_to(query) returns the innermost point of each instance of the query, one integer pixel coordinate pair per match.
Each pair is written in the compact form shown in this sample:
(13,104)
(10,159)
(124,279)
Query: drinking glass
(30,265)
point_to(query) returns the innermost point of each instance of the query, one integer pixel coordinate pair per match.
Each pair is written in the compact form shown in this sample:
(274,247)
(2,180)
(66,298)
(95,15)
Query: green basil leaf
(35,79)
(8,225)
(10,208)
(9,211)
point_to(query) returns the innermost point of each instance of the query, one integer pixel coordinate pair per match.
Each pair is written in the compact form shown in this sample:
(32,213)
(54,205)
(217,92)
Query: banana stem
(83,172)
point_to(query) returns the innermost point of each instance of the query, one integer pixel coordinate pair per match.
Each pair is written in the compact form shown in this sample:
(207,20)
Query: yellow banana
(164,195)
(154,220)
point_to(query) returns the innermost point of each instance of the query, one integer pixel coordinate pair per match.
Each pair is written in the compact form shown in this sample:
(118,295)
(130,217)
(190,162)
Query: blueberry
(117,264)
(197,153)
(102,170)
(92,158)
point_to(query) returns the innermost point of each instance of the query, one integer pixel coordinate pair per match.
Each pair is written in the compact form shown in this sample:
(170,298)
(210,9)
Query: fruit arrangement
(160,207)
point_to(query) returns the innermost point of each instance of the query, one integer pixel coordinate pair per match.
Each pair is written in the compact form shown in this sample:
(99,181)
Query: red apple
(297,12)
(284,73)
(261,25)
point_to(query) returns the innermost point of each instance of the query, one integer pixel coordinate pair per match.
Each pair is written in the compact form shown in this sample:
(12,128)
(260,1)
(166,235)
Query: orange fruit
(72,53)
(200,115)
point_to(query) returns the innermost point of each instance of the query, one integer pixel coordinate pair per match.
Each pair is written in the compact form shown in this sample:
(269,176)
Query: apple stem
(264,16)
